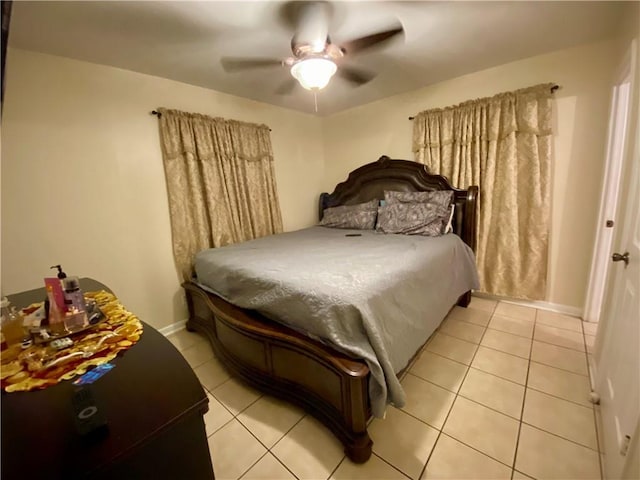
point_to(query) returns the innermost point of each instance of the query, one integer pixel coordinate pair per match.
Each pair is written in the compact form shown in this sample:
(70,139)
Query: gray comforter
(376,296)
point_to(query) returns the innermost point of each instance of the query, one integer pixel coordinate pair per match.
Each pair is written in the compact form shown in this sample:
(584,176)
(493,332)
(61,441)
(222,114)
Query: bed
(335,382)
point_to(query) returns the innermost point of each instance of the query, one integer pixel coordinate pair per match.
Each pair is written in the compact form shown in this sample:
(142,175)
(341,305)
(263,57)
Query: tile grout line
(219,428)
(451,359)
(465,321)
(207,391)
(499,376)
(423,421)
(560,368)
(432,383)
(253,465)
(560,398)
(250,433)
(594,406)
(511,333)
(439,430)
(233,416)
(518,356)
(561,346)
(485,346)
(524,399)
(457,394)
(502,351)
(475,449)
(559,436)
(222,403)
(338,465)
(268,450)
(247,429)
(391,465)
(462,340)
(282,463)
(193,367)
(285,433)
(444,423)
(490,408)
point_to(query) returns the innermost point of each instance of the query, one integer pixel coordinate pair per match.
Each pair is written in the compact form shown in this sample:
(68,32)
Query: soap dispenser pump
(61,275)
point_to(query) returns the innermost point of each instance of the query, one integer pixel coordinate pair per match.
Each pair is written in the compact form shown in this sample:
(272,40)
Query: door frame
(616,153)
(602,349)
(604,346)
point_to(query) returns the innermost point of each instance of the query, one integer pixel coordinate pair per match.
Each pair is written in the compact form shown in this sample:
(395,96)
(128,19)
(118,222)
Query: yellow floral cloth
(41,366)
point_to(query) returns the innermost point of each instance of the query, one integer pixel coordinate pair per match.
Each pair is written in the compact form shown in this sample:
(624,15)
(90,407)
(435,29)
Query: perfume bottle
(76,314)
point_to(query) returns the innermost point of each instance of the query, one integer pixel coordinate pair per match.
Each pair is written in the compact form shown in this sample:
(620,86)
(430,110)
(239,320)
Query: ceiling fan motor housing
(303,51)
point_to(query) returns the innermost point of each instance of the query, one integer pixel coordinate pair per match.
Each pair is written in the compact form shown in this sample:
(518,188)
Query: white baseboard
(173,328)
(552,307)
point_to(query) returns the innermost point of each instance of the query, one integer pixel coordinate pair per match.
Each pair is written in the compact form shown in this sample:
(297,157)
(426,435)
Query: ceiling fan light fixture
(314,73)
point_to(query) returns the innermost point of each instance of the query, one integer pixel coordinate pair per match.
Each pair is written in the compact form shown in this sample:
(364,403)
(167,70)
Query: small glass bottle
(11,323)
(76,315)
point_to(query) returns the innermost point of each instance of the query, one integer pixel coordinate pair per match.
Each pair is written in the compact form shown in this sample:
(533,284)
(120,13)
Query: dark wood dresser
(154,406)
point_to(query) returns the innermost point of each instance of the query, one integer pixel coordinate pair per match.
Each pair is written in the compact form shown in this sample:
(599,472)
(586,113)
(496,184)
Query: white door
(618,372)
(600,263)
(621,103)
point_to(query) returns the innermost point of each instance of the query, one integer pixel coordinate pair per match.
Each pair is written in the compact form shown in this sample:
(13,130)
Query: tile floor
(500,391)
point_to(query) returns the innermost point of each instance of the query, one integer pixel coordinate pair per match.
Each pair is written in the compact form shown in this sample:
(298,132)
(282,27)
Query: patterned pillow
(440,197)
(427,219)
(361,216)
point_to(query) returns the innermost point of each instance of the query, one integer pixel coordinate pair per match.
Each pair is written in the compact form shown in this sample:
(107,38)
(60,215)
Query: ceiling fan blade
(313,25)
(310,22)
(234,64)
(355,75)
(287,86)
(363,43)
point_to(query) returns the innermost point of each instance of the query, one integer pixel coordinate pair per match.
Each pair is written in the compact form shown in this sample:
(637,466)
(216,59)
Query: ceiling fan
(315,59)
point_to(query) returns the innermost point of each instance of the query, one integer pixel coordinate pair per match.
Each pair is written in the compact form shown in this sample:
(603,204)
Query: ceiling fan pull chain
(315,100)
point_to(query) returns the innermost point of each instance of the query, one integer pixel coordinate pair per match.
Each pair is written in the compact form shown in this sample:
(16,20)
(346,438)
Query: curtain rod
(553,89)
(159,114)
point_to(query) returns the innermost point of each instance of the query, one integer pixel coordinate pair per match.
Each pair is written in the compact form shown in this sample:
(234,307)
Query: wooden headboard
(370,181)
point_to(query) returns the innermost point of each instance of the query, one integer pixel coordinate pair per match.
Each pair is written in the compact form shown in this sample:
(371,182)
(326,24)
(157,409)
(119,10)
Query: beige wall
(82,177)
(362,134)
(83,185)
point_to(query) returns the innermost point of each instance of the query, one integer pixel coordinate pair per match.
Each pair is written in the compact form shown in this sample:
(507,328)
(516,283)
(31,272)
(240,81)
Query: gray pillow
(439,197)
(361,216)
(427,219)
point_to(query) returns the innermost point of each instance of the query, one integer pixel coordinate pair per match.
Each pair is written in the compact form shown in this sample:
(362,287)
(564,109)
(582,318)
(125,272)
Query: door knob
(616,257)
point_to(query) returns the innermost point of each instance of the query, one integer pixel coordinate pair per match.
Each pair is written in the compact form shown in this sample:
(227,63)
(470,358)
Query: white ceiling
(184,41)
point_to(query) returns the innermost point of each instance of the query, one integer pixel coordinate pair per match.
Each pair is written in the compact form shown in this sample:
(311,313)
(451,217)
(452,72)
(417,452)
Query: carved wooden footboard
(275,359)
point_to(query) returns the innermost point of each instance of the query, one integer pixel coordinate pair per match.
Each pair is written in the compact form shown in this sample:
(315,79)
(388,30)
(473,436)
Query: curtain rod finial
(155,112)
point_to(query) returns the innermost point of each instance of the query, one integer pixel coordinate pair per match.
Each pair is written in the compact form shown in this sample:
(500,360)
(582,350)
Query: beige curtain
(220,182)
(503,145)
